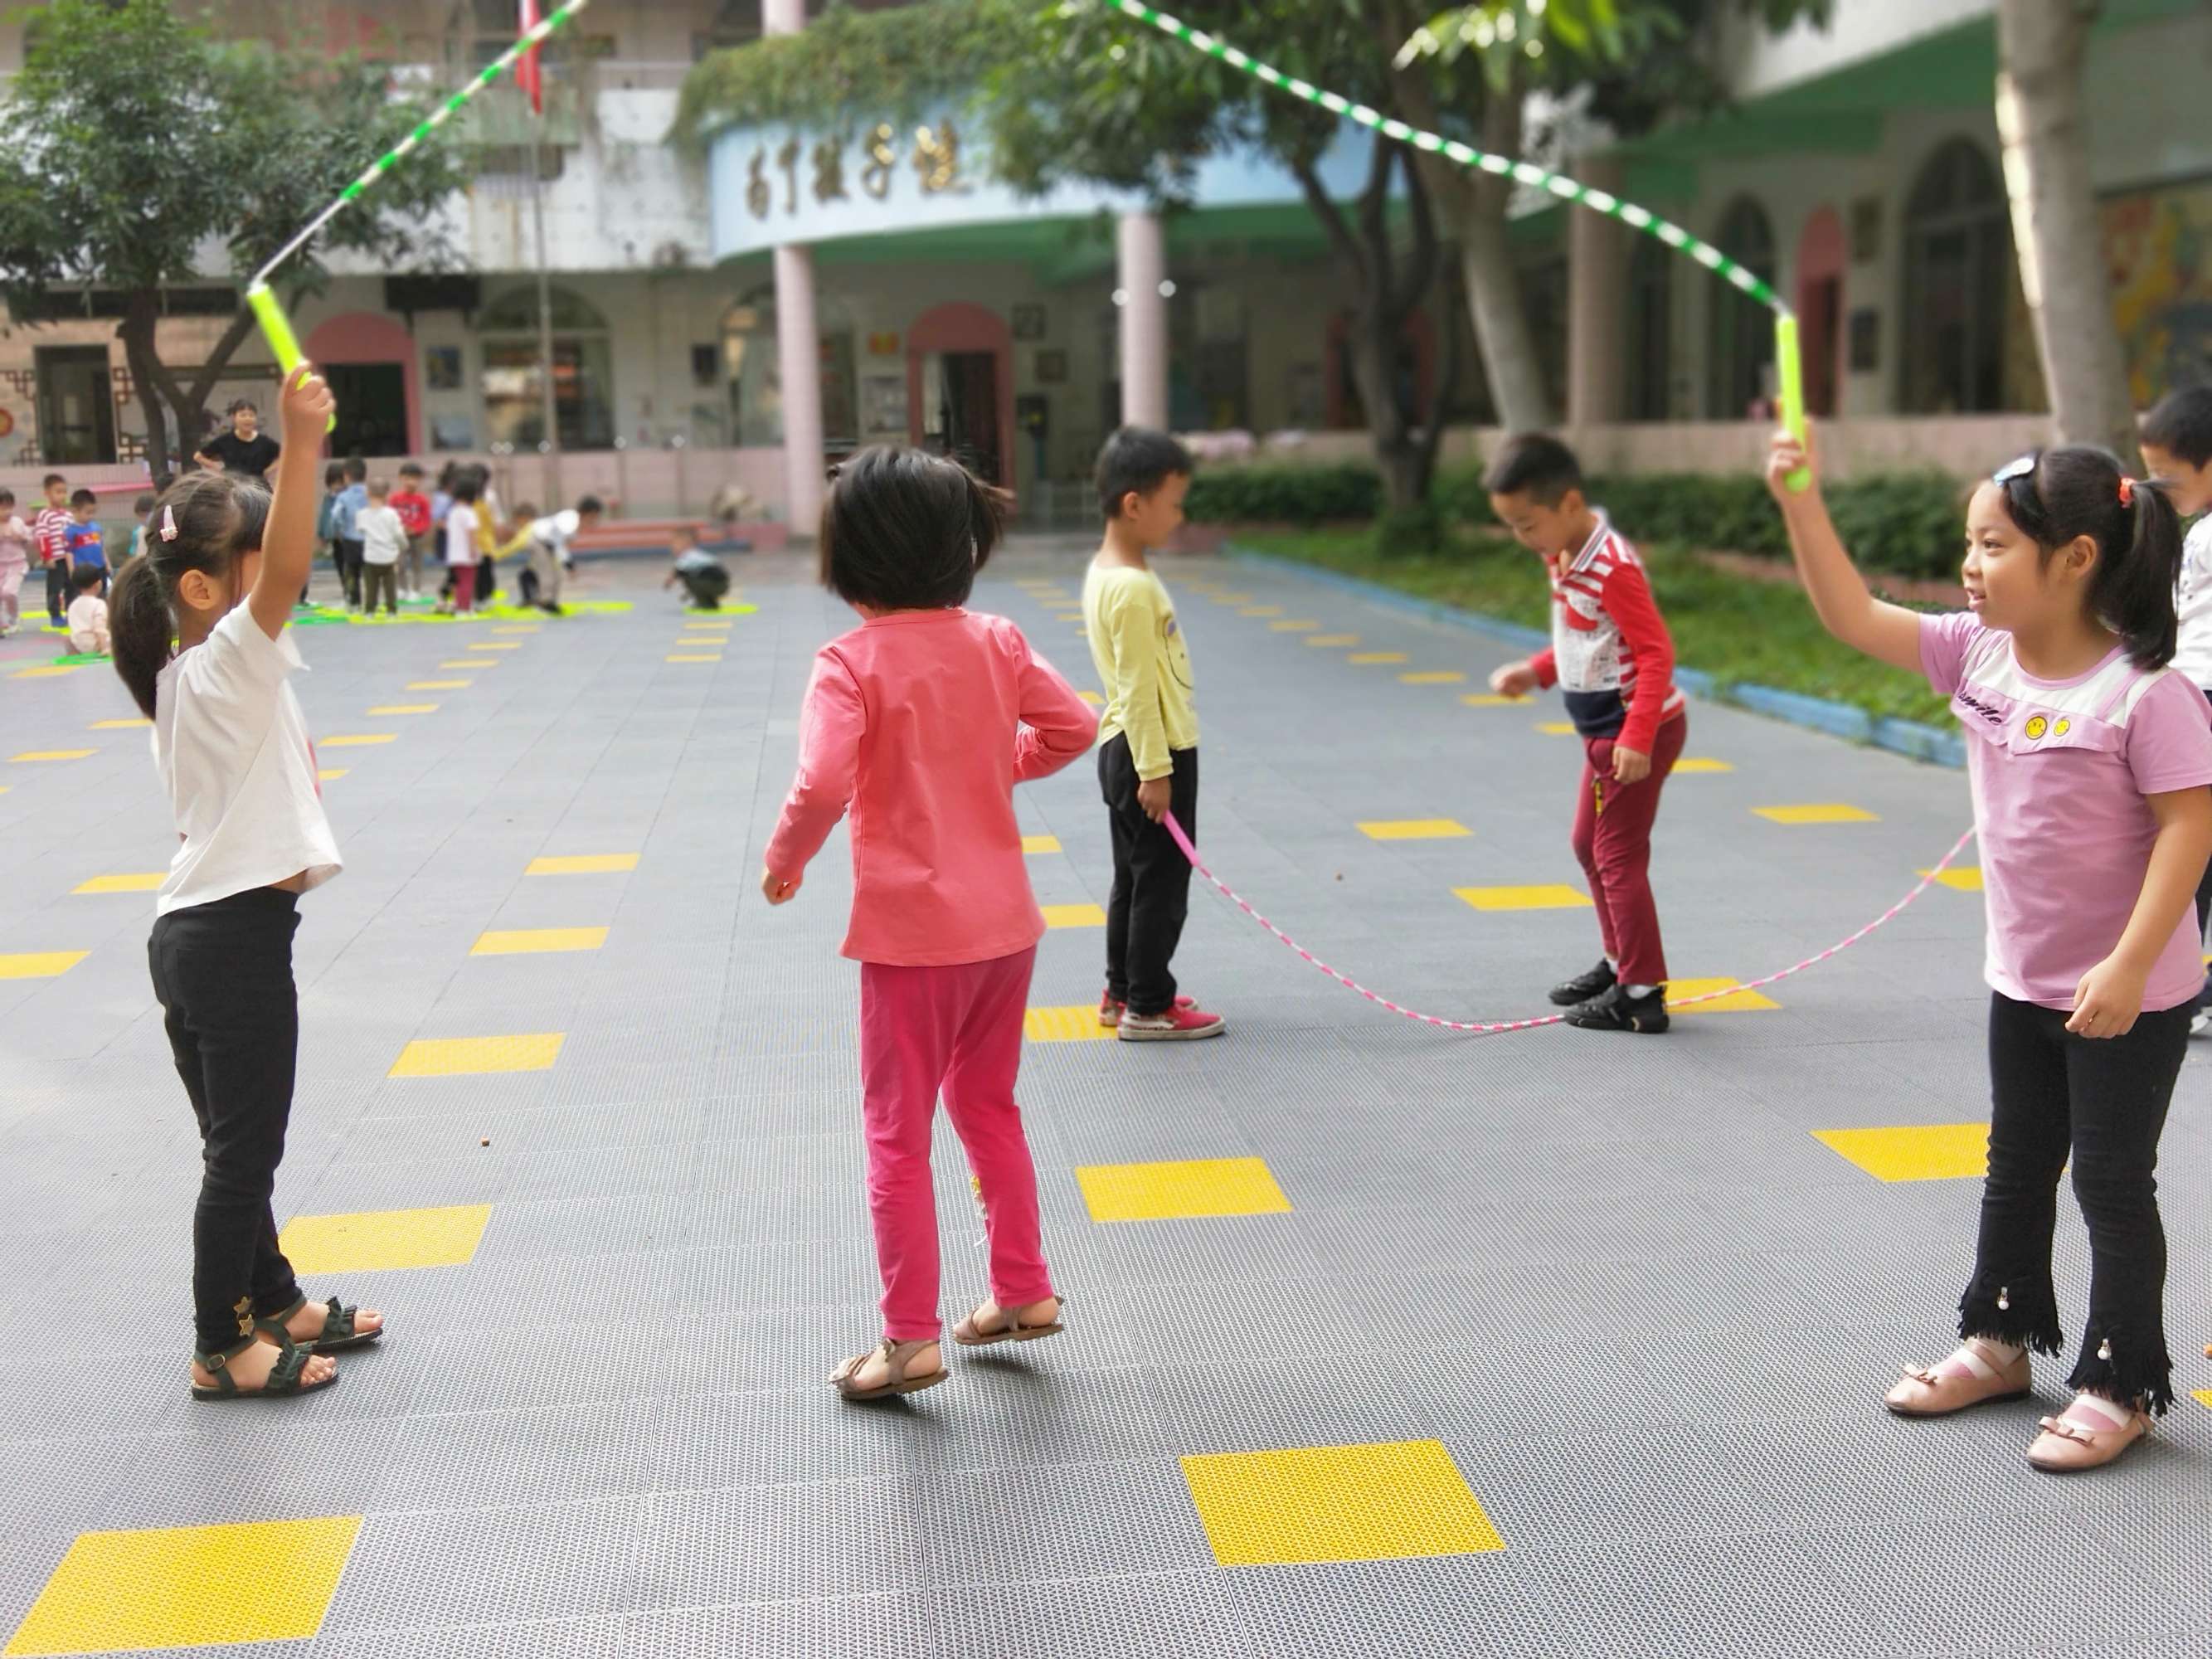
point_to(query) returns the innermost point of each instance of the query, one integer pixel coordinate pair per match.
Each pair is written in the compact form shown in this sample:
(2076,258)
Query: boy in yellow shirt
(1148,739)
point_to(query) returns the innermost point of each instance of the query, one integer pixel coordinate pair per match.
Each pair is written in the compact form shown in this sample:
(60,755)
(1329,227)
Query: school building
(805,291)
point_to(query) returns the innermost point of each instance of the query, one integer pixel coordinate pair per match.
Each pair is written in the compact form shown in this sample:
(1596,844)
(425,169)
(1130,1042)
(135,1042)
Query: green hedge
(1904,524)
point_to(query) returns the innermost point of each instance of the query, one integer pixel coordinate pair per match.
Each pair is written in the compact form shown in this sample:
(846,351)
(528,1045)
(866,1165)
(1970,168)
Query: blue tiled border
(1909,738)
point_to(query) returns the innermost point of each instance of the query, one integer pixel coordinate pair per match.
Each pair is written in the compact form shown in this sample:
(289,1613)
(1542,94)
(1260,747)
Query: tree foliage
(140,144)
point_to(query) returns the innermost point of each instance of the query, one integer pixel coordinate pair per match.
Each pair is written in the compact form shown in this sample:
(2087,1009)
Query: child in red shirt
(413,508)
(1611,658)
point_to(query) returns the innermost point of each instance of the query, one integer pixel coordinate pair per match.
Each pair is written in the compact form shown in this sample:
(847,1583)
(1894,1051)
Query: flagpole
(550,471)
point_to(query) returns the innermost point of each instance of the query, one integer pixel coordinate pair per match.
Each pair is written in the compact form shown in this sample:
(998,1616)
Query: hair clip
(2011,470)
(168,522)
(2127,490)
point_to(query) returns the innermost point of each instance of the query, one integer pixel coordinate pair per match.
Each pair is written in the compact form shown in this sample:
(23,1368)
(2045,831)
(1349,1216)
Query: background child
(1148,760)
(552,554)
(705,578)
(2177,451)
(2089,760)
(87,612)
(141,510)
(86,543)
(920,721)
(345,529)
(1613,661)
(413,508)
(51,529)
(383,539)
(17,544)
(236,763)
(460,531)
(326,517)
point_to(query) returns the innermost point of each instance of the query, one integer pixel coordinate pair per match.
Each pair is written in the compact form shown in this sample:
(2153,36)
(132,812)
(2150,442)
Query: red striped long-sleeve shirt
(1611,653)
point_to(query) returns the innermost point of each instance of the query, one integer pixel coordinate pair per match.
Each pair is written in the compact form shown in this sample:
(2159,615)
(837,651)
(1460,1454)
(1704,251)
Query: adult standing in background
(245,448)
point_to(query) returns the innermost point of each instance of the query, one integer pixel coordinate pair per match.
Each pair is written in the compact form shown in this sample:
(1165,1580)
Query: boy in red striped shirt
(1612,660)
(51,529)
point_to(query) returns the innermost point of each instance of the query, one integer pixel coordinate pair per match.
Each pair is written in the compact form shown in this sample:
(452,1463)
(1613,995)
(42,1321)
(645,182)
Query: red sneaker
(1180,1024)
(1110,1012)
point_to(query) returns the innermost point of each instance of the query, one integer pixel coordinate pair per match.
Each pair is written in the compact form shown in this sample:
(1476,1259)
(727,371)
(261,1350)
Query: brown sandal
(896,1356)
(968,1333)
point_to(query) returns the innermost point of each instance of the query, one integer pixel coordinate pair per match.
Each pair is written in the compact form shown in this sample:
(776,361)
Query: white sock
(2111,1411)
(1613,962)
(1640,990)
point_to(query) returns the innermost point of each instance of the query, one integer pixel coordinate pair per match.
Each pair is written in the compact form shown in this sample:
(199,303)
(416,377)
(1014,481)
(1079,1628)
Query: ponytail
(986,517)
(2078,490)
(905,530)
(141,636)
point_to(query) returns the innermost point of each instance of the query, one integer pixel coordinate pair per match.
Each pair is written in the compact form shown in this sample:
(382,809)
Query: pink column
(798,343)
(1142,270)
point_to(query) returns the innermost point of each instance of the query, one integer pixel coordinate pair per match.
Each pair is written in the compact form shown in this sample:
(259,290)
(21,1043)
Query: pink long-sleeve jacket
(920,723)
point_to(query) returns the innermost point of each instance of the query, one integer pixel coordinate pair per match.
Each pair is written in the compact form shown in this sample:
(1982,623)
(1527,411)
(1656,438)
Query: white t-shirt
(383,536)
(554,529)
(2192,603)
(87,624)
(461,534)
(232,751)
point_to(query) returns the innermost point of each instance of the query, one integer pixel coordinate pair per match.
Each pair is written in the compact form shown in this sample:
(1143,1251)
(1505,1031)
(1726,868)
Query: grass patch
(1739,631)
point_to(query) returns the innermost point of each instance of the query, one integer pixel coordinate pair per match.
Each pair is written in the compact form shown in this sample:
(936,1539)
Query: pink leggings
(958,1029)
(11,584)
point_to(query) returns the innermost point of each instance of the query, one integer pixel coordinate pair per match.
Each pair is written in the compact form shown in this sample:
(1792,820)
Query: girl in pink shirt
(2089,759)
(919,723)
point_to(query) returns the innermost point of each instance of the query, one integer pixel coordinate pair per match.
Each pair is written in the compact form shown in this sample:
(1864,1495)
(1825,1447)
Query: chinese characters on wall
(772,180)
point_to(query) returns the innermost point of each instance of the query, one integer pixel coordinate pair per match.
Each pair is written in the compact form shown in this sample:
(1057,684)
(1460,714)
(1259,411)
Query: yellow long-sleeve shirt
(1138,649)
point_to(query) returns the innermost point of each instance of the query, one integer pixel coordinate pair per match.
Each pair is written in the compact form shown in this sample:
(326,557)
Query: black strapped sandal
(340,1330)
(283,1382)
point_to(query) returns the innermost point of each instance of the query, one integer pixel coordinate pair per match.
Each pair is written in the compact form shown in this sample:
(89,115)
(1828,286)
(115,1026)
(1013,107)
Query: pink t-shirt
(2060,768)
(922,722)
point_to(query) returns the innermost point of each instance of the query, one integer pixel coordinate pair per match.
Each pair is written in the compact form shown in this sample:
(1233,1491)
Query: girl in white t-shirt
(199,627)
(461,543)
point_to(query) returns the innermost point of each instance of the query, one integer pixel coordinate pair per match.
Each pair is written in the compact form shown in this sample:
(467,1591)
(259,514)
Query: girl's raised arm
(288,544)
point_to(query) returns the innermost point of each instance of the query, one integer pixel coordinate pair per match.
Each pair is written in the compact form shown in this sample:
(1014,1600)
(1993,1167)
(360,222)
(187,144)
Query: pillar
(1597,305)
(798,343)
(1141,270)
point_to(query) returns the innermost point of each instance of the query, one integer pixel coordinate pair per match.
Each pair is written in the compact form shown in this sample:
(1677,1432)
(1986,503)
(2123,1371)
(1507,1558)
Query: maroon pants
(1612,839)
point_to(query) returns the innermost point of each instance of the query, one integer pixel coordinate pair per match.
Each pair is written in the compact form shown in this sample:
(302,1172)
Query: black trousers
(222,973)
(377,579)
(58,586)
(2105,1101)
(1152,879)
(348,555)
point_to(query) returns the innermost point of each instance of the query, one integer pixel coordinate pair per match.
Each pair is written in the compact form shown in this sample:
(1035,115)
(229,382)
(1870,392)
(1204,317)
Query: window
(1959,281)
(755,377)
(1741,344)
(583,372)
(1650,332)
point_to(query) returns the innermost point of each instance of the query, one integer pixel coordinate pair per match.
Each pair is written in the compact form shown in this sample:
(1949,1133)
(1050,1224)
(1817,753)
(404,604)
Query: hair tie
(168,522)
(2127,490)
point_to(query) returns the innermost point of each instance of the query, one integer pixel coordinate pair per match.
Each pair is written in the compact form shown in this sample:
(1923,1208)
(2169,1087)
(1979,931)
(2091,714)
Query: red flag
(527,74)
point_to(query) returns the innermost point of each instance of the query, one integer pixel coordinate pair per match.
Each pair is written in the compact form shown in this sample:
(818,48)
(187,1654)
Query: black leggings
(2104,1101)
(1152,879)
(222,973)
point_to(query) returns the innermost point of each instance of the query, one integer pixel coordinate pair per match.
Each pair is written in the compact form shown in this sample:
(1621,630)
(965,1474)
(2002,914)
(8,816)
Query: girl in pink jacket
(919,723)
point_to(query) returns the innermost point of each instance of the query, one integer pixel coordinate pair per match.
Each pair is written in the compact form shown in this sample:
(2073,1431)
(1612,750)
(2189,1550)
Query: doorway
(77,409)
(960,410)
(372,412)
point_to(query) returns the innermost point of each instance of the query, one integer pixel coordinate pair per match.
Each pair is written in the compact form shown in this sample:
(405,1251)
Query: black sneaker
(1614,1010)
(1582,986)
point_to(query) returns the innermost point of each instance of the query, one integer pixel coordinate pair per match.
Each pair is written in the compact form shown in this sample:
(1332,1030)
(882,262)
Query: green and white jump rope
(1787,366)
(275,326)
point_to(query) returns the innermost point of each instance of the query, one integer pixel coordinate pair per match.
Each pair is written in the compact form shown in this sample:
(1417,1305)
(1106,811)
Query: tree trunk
(2041,44)
(141,315)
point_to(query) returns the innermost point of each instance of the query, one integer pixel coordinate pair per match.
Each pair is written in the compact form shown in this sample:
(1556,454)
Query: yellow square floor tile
(176,1586)
(1433,677)
(1925,1152)
(53,671)
(536,941)
(583,864)
(1075,1023)
(1332,642)
(1260,610)
(121,725)
(1292,625)
(1232,598)
(1743,1002)
(358,739)
(497,645)
(1311,1504)
(1816,812)
(1695,765)
(1040,843)
(2204,1396)
(54,753)
(1093,698)
(1413,830)
(525,632)
(1557,728)
(146,882)
(1524,898)
(472,662)
(695,656)
(712,642)
(1073,916)
(468,1056)
(39,964)
(1365,657)
(1961,879)
(377,1241)
(404,708)
(438,685)
(332,774)
(1491,699)
(1176,1191)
